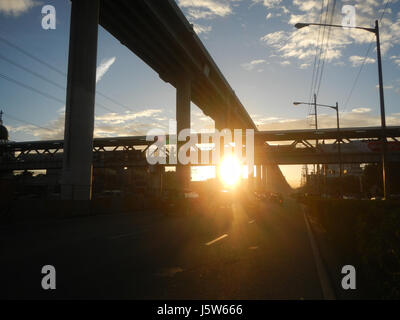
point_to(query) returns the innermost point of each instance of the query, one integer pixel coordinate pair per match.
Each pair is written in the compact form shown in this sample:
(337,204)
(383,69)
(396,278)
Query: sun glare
(230,171)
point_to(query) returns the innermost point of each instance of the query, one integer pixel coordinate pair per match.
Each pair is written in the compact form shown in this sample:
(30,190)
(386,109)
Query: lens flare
(230,171)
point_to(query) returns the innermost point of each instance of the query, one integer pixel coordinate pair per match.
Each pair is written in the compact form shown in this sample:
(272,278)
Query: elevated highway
(158,32)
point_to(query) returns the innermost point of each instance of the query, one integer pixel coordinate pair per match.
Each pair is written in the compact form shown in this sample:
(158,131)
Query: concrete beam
(258,176)
(183,100)
(250,178)
(264,177)
(79,115)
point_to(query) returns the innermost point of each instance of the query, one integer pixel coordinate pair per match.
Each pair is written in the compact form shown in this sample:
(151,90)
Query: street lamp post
(316,141)
(336,107)
(381,94)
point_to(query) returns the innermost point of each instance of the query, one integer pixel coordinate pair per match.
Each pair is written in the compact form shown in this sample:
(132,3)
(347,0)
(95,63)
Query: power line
(357,77)
(25,122)
(321,51)
(28,87)
(31,72)
(364,61)
(317,48)
(319,56)
(32,56)
(327,46)
(55,69)
(23,85)
(316,51)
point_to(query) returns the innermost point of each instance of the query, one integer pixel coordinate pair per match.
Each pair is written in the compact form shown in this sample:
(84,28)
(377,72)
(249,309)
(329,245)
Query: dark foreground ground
(263,254)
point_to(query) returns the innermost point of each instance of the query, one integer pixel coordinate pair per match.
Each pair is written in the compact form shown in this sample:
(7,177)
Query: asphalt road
(261,252)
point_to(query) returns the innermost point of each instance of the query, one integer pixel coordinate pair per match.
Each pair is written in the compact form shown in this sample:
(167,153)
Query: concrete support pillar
(250,178)
(264,177)
(79,115)
(268,175)
(255,178)
(183,99)
(220,124)
(258,176)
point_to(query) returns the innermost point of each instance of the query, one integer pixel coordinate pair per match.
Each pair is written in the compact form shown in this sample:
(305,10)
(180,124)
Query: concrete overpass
(158,32)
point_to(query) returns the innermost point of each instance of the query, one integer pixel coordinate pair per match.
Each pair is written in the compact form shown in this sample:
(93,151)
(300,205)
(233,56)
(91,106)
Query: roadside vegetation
(367,232)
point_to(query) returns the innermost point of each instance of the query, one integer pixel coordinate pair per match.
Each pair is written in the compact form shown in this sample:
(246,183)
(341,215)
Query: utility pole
(336,107)
(316,141)
(383,117)
(339,141)
(386,192)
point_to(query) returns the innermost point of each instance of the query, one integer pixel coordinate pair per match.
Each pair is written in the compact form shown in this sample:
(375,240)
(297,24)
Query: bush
(367,232)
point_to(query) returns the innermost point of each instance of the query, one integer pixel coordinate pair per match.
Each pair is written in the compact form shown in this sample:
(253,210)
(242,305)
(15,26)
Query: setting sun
(230,171)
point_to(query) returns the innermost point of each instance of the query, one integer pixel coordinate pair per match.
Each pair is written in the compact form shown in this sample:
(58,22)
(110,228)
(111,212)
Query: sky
(267,61)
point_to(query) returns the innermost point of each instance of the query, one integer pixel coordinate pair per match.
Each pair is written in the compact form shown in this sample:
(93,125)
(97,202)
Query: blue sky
(267,61)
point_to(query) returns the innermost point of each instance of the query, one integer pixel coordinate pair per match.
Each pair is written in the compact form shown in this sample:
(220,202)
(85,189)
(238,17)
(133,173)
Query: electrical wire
(364,61)
(7,115)
(57,70)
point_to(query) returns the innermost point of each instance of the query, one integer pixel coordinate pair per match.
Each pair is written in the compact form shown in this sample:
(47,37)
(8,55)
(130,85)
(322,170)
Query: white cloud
(396,60)
(116,118)
(285,10)
(206,9)
(361,110)
(199,29)
(358,60)
(16,7)
(252,64)
(387,87)
(397,89)
(301,44)
(103,68)
(115,125)
(307,5)
(268,3)
(275,38)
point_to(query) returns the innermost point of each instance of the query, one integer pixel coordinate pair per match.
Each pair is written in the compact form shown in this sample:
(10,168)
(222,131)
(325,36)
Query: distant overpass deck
(122,151)
(261,136)
(329,134)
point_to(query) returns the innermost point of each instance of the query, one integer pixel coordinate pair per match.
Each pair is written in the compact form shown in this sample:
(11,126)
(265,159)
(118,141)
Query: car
(178,201)
(276,198)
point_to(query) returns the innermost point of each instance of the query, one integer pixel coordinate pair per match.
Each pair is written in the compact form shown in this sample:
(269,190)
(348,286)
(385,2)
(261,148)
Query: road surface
(262,253)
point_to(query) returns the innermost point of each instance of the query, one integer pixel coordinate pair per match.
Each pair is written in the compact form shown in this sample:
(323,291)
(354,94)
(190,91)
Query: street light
(336,107)
(381,95)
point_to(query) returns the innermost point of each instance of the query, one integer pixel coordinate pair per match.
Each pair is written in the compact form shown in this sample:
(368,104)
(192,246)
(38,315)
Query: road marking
(326,287)
(124,235)
(215,240)
(169,272)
